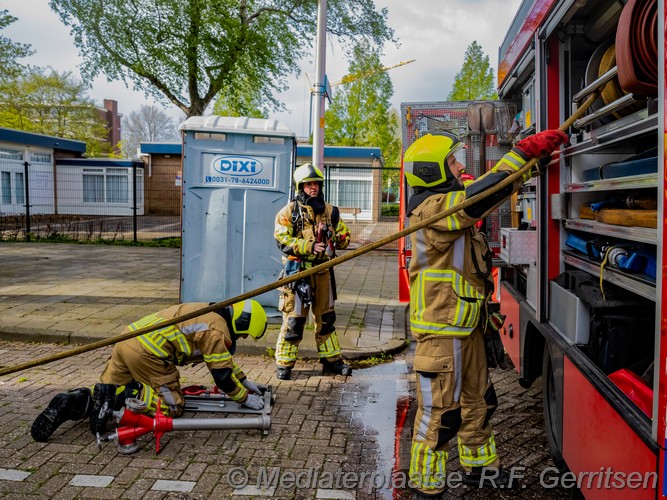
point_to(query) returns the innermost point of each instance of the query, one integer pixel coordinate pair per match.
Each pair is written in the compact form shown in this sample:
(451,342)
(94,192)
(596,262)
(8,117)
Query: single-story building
(102,186)
(49,174)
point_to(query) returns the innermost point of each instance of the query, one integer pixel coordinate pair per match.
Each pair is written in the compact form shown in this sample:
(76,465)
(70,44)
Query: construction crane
(357,76)
(348,79)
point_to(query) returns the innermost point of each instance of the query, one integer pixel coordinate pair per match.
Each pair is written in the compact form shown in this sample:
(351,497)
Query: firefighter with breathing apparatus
(450,286)
(309,231)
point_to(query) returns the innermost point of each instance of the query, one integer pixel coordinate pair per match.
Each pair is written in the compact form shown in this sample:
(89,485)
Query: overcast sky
(435,33)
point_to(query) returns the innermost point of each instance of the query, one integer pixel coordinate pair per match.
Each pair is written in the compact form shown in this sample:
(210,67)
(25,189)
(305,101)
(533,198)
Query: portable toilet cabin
(236,177)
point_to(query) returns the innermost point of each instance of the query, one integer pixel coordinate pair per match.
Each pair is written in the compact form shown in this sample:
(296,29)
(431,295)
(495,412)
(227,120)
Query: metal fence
(112,204)
(103,201)
(367,198)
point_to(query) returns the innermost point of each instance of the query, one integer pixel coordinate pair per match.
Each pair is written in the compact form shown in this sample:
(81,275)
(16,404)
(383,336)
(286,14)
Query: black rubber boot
(72,405)
(336,368)
(418,495)
(105,400)
(490,477)
(284,372)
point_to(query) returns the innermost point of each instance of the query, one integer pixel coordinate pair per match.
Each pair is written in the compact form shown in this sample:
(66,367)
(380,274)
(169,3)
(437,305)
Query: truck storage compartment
(568,314)
(620,340)
(637,166)
(518,247)
(614,327)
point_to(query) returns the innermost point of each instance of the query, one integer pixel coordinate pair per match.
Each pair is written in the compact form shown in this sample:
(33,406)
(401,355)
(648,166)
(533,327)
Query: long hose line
(308,272)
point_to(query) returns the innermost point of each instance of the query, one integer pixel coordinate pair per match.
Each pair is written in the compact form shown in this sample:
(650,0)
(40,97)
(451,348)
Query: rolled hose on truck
(308,272)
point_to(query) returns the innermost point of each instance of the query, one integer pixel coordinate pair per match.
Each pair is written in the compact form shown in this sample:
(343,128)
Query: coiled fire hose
(308,272)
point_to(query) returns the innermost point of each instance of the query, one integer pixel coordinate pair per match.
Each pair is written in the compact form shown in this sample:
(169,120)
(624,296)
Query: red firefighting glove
(542,144)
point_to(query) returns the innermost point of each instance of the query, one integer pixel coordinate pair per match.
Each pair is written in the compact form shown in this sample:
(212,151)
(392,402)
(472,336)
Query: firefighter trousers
(458,401)
(295,315)
(159,377)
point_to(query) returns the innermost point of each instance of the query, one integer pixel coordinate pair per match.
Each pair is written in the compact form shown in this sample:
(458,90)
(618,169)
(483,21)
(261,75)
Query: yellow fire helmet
(249,318)
(307,173)
(424,162)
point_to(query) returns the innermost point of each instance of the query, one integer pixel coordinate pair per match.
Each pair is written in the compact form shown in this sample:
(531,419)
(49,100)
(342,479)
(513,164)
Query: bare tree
(148,124)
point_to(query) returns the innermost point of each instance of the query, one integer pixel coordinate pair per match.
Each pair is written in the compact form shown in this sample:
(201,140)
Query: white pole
(388,189)
(320,87)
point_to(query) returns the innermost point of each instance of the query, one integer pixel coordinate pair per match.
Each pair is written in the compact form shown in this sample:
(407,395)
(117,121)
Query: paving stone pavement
(77,294)
(319,425)
(53,295)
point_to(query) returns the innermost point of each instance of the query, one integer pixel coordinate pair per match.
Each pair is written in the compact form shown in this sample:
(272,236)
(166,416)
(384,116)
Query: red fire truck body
(581,318)
(580,248)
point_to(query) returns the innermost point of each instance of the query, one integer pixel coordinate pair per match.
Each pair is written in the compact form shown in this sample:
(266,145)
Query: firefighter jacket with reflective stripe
(447,290)
(203,338)
(296,232)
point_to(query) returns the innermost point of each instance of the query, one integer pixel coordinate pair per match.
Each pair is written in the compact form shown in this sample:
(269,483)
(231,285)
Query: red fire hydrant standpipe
(134,423)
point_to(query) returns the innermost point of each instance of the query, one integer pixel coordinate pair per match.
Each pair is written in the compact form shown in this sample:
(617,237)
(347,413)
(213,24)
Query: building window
(354,194)
(350,188)
(93,186)
(6,187)
(19,188)
(110,185)
(10,154)
(40,157)
(140,186)
(116,184)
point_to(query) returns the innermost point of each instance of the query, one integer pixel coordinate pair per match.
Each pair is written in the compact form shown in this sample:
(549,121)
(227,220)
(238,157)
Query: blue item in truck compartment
(583,246)
(649,267)
(621,169)
(637,261)
(631,262)
(613,203)
(634,260)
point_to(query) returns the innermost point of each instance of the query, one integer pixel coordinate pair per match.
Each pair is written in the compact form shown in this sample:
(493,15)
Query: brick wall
(162,194)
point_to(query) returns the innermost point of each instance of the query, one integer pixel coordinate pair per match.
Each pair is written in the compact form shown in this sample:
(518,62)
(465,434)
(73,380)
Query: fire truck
(579,247)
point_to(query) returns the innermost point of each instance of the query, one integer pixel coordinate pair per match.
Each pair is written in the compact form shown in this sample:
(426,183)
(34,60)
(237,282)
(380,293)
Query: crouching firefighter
(308,231)
(145,367)
(450,288)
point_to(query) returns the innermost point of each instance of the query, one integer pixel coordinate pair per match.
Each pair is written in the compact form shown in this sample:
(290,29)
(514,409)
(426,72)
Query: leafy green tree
(237,102)
(148,124)
(360,113)
(187,51)
(47,102)
(11,51)
(475,80)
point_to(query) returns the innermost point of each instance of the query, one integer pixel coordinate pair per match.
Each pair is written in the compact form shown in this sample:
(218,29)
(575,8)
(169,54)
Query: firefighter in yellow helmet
(145,367)
(449,289)
(309,231)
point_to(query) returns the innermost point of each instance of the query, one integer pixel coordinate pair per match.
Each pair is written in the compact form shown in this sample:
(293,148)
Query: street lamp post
(320,89)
